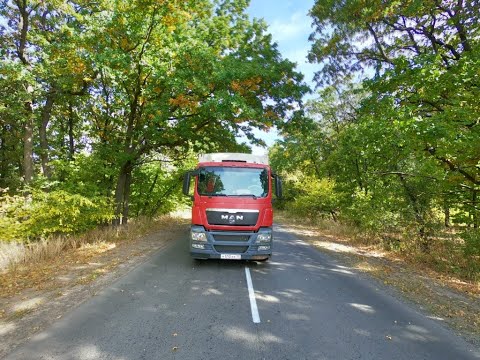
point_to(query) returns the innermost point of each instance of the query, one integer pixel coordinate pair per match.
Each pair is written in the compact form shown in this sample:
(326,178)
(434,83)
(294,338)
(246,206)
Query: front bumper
(226,243)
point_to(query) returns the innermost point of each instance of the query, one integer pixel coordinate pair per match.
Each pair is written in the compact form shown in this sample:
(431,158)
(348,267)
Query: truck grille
(221,237)
(231,249)
(232,217)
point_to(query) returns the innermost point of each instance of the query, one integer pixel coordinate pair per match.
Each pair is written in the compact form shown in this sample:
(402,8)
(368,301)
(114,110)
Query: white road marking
(251,295)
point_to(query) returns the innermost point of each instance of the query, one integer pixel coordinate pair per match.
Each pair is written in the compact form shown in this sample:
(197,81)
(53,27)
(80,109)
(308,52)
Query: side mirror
(186,183)
(278,186)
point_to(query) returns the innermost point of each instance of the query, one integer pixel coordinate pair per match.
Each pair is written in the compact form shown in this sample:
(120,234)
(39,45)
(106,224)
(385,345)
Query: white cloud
(296,26)
(298,56)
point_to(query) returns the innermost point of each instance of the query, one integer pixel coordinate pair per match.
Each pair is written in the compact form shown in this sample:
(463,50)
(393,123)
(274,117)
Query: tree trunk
(126,196)
(28,144)
(46,115)
(419,216)
(474,210)
(334,216)
(119,191)
(446,212)
(164,195)
(21,42)
(122,194)
(71,139)
(446,206)
(360,183)
(149,195)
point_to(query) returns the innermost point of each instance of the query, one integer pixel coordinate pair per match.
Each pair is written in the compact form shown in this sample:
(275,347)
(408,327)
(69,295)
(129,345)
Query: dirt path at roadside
(32,300)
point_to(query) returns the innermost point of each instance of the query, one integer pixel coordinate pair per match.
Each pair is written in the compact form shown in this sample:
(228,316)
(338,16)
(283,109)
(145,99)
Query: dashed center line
(251,295)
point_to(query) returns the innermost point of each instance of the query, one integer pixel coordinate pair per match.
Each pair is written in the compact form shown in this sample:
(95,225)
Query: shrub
(369,213)
(318,199)
(42,214)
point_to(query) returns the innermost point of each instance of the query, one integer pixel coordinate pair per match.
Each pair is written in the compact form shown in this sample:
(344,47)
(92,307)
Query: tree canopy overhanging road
(105,104)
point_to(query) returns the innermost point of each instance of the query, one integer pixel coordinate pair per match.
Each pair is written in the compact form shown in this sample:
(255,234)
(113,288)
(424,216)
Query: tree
(422,60)
(186,76)
(133,83)
(42,56)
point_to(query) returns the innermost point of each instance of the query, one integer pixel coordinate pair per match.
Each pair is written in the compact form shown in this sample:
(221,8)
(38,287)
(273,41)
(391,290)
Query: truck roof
(234,157)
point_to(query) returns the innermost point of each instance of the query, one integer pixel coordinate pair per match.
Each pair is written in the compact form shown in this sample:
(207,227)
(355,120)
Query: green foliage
(471,238)
(95,93)
(316,198)
(54,213)
(157,189)
(402,145)
(88,175)
(371,212)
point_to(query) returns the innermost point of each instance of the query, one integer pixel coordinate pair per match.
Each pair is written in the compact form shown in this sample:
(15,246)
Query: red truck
(232,212)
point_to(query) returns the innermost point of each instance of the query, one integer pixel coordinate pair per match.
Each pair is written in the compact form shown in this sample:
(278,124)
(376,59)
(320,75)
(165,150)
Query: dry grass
(42,266)
(445,260)
(13,255)
(337,230)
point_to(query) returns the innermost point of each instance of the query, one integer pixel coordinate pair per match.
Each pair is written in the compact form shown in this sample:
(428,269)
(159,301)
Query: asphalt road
(309,307)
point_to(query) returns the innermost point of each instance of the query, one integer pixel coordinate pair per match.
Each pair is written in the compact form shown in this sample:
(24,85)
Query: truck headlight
(263,248)
(198,236)
(264,237)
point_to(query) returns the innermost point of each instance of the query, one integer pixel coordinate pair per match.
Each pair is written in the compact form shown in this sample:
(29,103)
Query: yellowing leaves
(183,101)
(175,17)
(271,115)
(67,62)
(245,86)
(79,67)
(170,22)
(124,43)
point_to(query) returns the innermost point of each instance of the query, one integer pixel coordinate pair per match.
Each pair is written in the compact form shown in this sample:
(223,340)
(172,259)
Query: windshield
(231,181)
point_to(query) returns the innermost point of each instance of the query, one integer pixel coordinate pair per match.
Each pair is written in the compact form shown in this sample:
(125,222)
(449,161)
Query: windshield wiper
(245,195)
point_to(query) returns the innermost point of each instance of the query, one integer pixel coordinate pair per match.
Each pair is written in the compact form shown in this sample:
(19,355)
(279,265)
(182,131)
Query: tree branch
(379,45)
(453,167)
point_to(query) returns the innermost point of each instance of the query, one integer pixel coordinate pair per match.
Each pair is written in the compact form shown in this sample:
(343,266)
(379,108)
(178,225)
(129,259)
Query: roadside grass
(21,313)
(35,265)
(445,260)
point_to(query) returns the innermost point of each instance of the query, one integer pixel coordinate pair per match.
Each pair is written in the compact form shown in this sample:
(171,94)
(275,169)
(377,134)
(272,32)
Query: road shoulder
(449,305)
(62,284)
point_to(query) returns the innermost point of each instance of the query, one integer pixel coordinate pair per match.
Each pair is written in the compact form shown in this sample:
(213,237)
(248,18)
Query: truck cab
(232,212)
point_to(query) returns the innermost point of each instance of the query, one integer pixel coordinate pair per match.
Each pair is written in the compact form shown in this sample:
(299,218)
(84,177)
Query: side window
(264,182)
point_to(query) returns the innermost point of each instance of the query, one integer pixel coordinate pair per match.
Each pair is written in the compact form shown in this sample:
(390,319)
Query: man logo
(232,218)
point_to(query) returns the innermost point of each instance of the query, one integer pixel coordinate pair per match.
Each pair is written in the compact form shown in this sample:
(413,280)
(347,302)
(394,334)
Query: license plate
(231,256)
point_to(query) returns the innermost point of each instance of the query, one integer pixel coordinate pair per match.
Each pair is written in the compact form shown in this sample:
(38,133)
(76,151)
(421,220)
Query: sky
(290,26)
